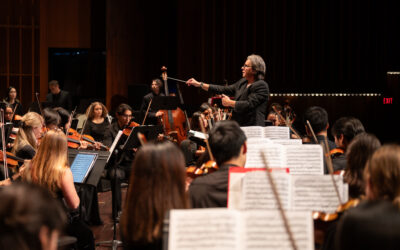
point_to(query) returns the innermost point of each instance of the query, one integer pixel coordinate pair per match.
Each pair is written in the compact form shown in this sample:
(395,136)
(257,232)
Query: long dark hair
(157,184)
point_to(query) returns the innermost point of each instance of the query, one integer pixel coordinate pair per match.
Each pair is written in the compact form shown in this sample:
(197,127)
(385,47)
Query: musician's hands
(227,102)
(159,114)
(193,82)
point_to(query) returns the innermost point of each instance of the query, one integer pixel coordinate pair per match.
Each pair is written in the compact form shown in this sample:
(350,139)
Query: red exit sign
(387,100)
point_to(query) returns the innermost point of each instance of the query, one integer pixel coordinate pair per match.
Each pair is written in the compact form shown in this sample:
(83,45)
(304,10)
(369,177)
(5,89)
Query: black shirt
(97,130)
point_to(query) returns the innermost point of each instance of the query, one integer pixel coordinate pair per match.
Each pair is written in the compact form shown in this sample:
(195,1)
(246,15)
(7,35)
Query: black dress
(97,130)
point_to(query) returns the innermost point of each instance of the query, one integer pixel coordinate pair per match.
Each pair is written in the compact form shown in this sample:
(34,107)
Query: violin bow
(3,142)
(40,105)
(147,111)
(328,160)
(278,201)
(207,144)
(286,123)
(13,113)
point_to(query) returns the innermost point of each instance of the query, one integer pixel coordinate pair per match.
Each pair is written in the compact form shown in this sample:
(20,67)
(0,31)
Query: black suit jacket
(151,116)
(251,102)
(63,99)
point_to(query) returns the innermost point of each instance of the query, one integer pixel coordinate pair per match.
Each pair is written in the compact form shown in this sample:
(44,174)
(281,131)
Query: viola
(128,129)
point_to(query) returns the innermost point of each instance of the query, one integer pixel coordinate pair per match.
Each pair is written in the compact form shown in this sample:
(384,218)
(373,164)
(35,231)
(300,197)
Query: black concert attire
(331,144)
(96,130)
(18,110)
(27,152)
(151,116)
(251,102)
(122,170)
(62,99)
(339,162)
(210,190)
(370,225)
(157,245)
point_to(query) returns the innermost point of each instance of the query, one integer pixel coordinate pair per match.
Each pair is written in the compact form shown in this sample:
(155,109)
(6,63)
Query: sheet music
(253,131)
(221,228)
(82,165)
(114,144)
(316,193)
(258,140)
(305,159)
(287,141)
(257,191)
(204,229)
(275,153)
(276,132)
(198,134)
(235,189)
(265,230)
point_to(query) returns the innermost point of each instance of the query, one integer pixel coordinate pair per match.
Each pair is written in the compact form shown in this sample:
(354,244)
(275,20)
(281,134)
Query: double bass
(173,121)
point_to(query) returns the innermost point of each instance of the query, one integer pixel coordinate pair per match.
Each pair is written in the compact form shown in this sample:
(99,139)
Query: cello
(173,121)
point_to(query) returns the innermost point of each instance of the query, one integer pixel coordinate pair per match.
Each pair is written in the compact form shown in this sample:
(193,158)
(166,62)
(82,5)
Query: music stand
(149,131)
(165,103)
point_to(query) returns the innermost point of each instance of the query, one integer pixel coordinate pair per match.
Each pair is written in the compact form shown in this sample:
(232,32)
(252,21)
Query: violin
(12,160)
(128,129)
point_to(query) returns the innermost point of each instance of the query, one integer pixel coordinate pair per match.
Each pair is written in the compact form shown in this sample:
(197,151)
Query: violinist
(51,118)
(359,152)
(12,99)
(9,115)
(119,172)
(344,130)
(375,223)
(207,115)
(251,93)
(318,119)
(156,90)
(66,118)
(228,145)
(97,122)
(26,143)
(191,150)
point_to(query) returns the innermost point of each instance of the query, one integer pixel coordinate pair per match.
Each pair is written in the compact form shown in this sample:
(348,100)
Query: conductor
(250,93)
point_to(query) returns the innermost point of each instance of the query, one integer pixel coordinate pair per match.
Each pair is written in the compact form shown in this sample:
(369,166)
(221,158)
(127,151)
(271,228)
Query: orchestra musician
(12,99)
(8,115)
(251,93)
(121,171)
(51,118)
(31,130)
(318,119)
(190,149)
(30,218)
(58,97)
(228,145)
(375,223)
(344,130)
(50,170)
(156,90)
(157,184)
(97,122)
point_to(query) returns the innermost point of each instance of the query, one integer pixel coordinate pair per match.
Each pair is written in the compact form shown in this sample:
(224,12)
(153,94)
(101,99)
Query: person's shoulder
(148,96)
(260,83)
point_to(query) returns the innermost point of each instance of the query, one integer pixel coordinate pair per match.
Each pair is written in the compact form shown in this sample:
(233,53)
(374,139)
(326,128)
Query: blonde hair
(50,162)
(90,110)
(25,135)
(383,173)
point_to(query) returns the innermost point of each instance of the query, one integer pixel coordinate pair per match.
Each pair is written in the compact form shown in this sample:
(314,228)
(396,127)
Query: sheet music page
(235,189)
(258,140)
(114,144)
(198,134)
(305,159)
(275,153)
(287,141)
(315,193)
(204,229)
(266,230)
(253,131)
(276,132)
(257,192)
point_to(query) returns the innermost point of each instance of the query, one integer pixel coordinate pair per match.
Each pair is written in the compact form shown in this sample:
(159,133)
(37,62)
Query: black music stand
(165,103)
(149,131)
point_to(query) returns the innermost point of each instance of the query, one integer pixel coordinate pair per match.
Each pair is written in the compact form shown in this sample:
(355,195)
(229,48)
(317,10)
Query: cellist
(228,144)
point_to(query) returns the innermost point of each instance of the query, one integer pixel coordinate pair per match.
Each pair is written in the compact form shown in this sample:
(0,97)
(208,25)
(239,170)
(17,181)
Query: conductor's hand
(193,82)
(227,102)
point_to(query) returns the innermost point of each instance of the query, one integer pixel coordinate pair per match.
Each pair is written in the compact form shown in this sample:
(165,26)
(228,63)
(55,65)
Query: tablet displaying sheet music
(82,165)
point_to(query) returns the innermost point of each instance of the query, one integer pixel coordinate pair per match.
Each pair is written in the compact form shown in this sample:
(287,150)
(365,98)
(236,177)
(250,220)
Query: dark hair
(358,153)
(54,82)
(194,122)
(225,139)
(51,117)
(204,106)
(318,118)
(348,127)
(122,108)
(159,83)
(277,106)
(64,115)
(157,184)
(25,209)
(7,99)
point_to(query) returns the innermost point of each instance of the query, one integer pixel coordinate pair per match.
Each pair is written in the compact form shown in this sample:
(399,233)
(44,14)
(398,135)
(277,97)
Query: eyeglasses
(246,66)
(127,116)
